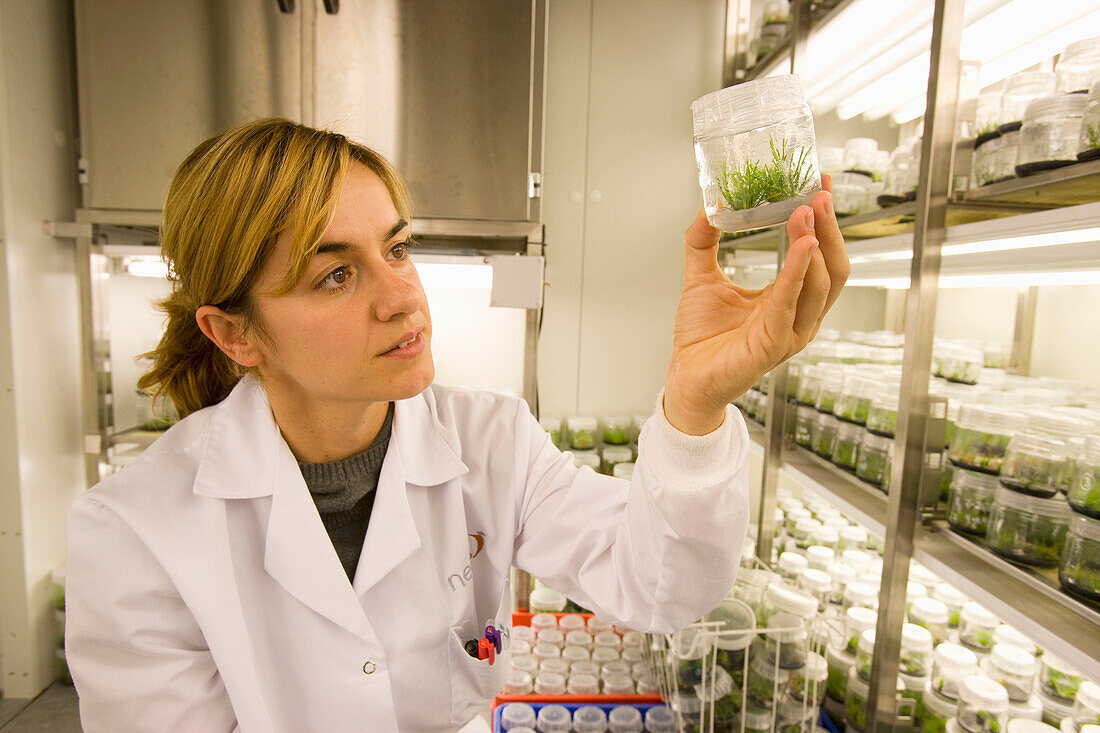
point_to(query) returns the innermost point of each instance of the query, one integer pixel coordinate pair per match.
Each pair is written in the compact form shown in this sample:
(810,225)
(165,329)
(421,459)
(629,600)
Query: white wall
(620,189)
(988,314)
(41,467)
(1067,334)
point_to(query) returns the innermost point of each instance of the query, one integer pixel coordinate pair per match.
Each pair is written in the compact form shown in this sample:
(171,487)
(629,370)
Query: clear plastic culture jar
(805,416)
(970,501)
(1058,678)
(573,654)
(874,457)
(988,115)
(930,614)
(820,557)
(854,401)
(859,593)
(550,683)
(734,634)
(976,626)
(1050,133)
(551,636)
(582,432)
(616,430)
(1084,493)
(846,448)
(660,719)
(987,152)
(857,620)
(524,633)
(790,564)
(552,426)
(1086,706)
(579,640)
(614,669)
(614,455)
(792,516)
(962,364)
(1077,65)
(1080,570)
(1034,464)
(855,701)
(589,719)
(721,691)
(1019,91)
(816,583)
(824,437)
(841,575)
(755,150)
(832,159)
(583,668)
(809,385)
(916,651)
(860,154)
(689,647)
(1008,147)
(542,652)
(827,537)
(853,538)
(545,602)
(518,682)
(1014,668)
(1089,144)
(953,599)
(787,639)
(839,662)
(1027,529)
(983,705)
(831,384)
(601,655)
(540,621)
(951,664)
(607,639)
(882,416)
(802,532)
(765,678)
(982,434)
(571,622)
(865,653)
(782,598)
(850,194)
(934,711)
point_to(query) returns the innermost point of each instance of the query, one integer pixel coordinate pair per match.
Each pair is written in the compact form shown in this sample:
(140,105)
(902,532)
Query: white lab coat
(204,594)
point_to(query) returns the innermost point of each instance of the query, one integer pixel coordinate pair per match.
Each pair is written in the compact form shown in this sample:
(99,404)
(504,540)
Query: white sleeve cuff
(687,461)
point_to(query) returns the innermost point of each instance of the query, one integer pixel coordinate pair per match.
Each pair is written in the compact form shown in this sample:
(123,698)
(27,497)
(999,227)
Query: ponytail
(188,368)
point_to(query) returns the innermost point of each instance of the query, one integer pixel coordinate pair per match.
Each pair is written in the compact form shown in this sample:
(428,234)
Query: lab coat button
(369,667)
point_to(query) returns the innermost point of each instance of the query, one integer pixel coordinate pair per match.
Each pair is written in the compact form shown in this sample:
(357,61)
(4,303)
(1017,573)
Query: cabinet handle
(285,6)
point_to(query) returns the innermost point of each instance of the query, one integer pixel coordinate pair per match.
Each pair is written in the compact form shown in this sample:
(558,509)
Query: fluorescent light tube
(147,267)
(1000,280)
(449,275)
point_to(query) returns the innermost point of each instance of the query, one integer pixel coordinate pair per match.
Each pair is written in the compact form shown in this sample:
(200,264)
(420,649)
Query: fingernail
(814,244)
(809,218)
(829,204)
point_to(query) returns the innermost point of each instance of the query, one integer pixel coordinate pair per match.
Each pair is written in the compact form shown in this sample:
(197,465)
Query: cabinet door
(157,78)
(443,89)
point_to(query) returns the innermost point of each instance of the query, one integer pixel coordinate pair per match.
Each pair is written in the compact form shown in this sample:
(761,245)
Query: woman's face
(334,336)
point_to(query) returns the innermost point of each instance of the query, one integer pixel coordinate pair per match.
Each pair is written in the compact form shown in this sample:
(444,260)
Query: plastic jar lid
(991,419)
(860,593)
(787,627)
(982,483)
(571,622)
(825,535)
(1088,695)
(580,423)
(542,621)
(819,555)
(1022,725)
(857,535)
(1012,659)
(806,525)
(799,512)
(589,719)
(916,638)
(836,522)
(879,443)
(616,422)
(590,458)
(858,559)
(815,581)
(633,638)
(914,590)
(867,641)
(688,643)
(618,454)
(840,573)
(1060,107)
(616,669)
(948,654)
(850,431)
(517,714)
(1059,424)
(972,613)
(937,703)
(546,651)
(551,636)
(1005,634)
(924,576)
(518,679)
(947,593)
(858,619)
(580,668)
(1029,82)
(527,663)
(733,615)
(578,639)
(928,610)
(574,654)
(554,718)
(607,639)
(746,105)
(624,718)
(791,563)
(816,668)
(979,691)
(1056,508)
(550,424)
(624,470)
(791,600)
(1086,527)
(861,145)
(1035,443)
(721,684)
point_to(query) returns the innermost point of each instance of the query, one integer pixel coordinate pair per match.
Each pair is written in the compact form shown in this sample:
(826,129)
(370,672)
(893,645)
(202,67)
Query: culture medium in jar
(1084,493)
(846,448)
(970,501)
(951,664)
(755,150)
(1080,570)
(1050,133)
(983,705)
(1027,529)
(1014,668)
(616,430)
(976,627)
(582,432)
(1077,65)
(982,435)
(1089,144)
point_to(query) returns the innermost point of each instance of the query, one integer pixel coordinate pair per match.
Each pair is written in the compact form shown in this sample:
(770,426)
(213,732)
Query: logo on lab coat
(477,543)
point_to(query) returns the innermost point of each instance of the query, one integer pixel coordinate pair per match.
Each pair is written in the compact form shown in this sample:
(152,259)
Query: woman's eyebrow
(330,247)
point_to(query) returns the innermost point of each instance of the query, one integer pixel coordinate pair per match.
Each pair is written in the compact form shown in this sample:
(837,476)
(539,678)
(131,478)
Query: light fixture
(434,275)
(995,280)
(147,267)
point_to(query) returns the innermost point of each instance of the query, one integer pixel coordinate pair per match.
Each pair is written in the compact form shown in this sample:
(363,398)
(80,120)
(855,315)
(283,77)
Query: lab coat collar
(243,445)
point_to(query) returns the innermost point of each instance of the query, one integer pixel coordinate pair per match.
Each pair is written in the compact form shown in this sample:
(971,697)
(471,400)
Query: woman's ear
(228,333)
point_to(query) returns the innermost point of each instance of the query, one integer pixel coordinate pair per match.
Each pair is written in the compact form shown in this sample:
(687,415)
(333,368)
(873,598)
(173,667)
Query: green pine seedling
(784,177)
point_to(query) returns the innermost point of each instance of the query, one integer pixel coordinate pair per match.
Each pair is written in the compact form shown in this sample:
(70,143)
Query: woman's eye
(335,279)
(402,250)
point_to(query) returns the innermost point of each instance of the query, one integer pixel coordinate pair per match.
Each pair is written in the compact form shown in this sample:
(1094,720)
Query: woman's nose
(398,295)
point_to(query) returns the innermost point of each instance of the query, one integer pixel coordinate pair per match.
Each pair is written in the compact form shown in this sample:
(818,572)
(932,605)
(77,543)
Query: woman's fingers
(833,252)
(811,301)
(701,248)
(782,306)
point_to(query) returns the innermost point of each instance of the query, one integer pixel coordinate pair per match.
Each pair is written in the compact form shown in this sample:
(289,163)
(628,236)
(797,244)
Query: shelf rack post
(931,220)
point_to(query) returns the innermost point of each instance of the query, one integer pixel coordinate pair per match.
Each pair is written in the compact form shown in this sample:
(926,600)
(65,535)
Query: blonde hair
(228,202)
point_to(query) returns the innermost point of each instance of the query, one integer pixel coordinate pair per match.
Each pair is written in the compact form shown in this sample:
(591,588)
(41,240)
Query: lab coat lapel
(419,454)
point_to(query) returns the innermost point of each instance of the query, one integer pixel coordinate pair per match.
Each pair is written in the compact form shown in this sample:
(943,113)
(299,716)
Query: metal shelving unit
(1026,598)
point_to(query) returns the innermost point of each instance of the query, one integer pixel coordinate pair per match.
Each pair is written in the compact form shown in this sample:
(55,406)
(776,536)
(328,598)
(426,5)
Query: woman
(227,580)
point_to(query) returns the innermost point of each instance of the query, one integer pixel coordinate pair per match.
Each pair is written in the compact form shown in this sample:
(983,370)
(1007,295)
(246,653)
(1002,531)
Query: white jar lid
(974,614)
(1005,634)
(585,667)
(860,592)
(792,600)
(916,637)
(625,470)
(979,691)
(618,454)
(550,423)
(937,703)
(580,423)
(819,555)
(590,458)
(955,655)
(815,581)
(575,653)
(858,559)
(607,639)
(616,422)
(806,525)
(860,619)
(840,573)
(929,610)
(836,522)
(949,595)
(549,598)
(1088,695)
(867,641)
(791,563)
(922,575)
(825,535)
(1022,725)
(914,591)
(551,636)
(546,650)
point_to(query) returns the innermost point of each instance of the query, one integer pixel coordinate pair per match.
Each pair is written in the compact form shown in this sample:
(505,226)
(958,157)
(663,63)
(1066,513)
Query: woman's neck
(322,431)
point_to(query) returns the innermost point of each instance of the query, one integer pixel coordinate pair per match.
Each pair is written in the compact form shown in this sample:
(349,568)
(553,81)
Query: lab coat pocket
(474,681)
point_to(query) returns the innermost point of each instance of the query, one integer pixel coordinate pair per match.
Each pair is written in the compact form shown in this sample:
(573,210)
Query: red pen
(485,650)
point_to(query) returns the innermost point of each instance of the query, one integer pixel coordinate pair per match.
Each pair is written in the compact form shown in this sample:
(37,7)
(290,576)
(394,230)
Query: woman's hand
(726,337)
